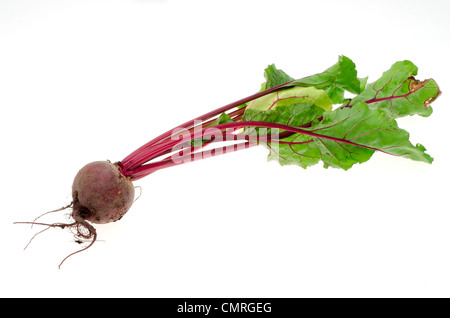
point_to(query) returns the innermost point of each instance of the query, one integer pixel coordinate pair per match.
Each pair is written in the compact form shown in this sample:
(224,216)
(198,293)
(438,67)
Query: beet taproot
(100,193)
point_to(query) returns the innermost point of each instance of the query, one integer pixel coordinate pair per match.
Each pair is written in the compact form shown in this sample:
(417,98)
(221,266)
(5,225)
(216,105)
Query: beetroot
(302,122)
(101,194)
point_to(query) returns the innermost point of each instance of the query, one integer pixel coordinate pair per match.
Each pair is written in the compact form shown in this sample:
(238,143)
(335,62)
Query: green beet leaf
(295,95)
(338,78)
(399,94)
(274,77)
(367,130)
(335,80)
(222,119)
(339,138)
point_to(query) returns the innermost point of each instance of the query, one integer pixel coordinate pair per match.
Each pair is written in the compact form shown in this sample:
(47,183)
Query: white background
(92,80)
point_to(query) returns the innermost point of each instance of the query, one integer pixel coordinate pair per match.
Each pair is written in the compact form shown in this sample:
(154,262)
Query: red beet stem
(143,170)
(147,169)
(163,148)
(131,162)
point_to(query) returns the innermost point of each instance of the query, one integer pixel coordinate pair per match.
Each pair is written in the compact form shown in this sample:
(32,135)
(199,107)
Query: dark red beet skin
(101,194)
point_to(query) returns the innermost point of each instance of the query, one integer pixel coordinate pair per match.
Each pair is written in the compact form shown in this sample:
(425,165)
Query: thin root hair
(57,210)
(140,193)
(84,231)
